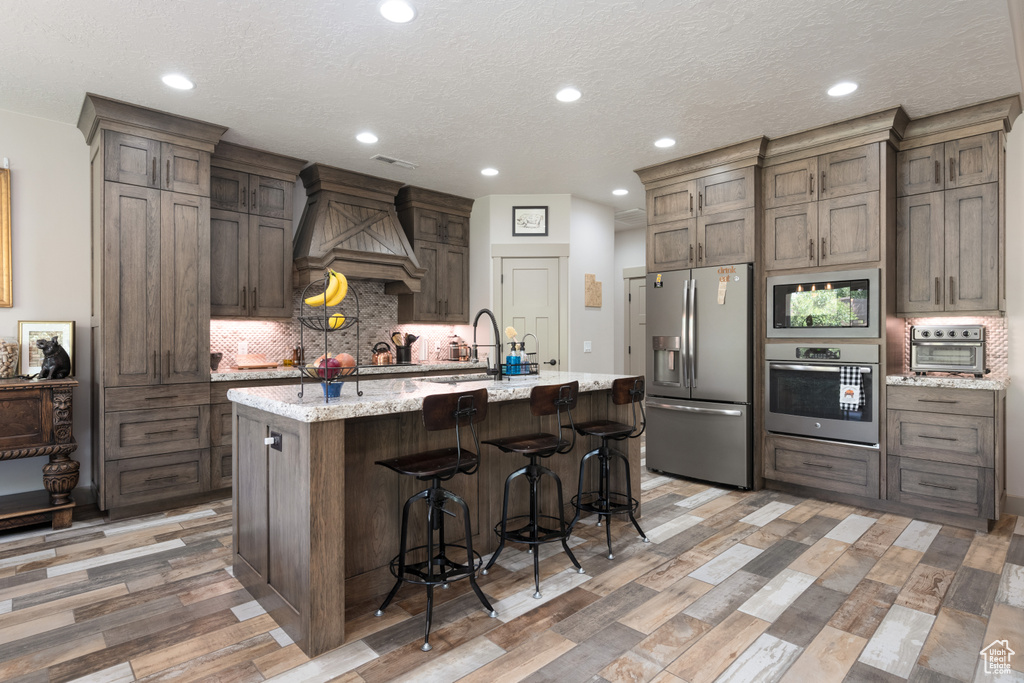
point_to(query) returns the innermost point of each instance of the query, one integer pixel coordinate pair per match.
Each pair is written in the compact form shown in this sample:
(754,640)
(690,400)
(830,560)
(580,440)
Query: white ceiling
(470,84)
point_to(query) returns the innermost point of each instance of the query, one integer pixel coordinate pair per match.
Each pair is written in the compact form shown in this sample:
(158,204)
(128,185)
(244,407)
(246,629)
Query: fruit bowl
(330,368)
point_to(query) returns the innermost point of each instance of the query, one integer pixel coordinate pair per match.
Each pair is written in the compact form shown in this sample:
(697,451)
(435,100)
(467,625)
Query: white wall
(592,235)
(1015,316)
(630,252)
(50,211)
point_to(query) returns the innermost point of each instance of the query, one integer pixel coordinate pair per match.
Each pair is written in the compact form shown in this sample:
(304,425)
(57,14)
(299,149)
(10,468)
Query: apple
(329,368)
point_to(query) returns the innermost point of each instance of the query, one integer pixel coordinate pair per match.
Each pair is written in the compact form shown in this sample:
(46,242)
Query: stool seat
(606,429)
(443,462)
(528,444)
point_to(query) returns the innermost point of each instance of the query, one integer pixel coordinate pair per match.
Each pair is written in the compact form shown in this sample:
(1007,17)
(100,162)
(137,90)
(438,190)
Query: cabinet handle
(810,250)
(241,191)
(937,486)
(700,252)
(166,431)
(817,464)
(172,476)
(160,398)
(168,173)
(822,248)
(938,172)
(938,287)
(952,285)
(154,172)
(168,365)
(939,438)
(700,202)
(446,308)
(691,203)
(255,301)
(156,366)
(952,172)
(822,182)
(810,188)
(935,400)
(252,204)
(439,309)
(691,253)
(245,302)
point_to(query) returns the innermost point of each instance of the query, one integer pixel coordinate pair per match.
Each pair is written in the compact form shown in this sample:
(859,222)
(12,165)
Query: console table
(36,420)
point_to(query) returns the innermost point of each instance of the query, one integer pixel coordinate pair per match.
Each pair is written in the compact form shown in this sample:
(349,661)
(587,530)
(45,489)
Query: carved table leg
(60,477)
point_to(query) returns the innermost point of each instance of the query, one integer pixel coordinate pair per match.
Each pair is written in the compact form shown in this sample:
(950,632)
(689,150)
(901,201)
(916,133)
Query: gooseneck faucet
(497,342)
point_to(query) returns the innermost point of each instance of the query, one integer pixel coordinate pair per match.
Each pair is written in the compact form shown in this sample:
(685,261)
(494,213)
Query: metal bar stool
(440,412)
(605,502)
(558,400)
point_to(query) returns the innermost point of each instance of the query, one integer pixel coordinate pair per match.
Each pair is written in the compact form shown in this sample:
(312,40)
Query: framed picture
(31,331)
(6,274)
(529,221)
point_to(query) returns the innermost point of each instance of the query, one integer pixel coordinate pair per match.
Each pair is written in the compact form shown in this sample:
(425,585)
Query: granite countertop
(943,380)
(284,372)
(383,397)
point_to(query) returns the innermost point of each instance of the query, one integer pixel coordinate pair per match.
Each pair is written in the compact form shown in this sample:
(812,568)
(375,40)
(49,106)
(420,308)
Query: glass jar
(9,356)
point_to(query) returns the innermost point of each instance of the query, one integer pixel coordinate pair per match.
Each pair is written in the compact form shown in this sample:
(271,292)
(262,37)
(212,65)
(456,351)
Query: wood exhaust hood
(350,224)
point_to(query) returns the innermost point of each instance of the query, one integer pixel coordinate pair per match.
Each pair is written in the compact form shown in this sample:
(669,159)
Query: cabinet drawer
(220,424)
(936,400)
(830,466)
(942,486)
(133,433)
(157,396)
(220,463)
(960,439)
(141,480)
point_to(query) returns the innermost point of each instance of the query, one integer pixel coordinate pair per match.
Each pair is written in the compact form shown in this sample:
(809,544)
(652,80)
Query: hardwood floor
(735,586)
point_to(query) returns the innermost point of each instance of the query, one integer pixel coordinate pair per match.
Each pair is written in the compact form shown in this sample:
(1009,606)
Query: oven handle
(693,409)
(816,368)
(946,343)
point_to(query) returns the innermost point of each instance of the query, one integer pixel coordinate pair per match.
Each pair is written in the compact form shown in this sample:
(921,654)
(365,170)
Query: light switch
(586,347)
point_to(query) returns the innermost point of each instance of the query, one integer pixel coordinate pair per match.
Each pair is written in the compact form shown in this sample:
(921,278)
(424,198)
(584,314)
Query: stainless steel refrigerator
(699,373)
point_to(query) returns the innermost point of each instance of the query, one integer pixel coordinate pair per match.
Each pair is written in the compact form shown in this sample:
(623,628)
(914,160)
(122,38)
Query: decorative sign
(592,291)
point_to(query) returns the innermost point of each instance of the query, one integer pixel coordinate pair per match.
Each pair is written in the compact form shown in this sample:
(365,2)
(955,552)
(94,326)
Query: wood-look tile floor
(735,586)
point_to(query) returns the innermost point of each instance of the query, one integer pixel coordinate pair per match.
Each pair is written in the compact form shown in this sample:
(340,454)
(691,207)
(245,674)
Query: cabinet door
(270,197)
(427,304)
(270,267)
(848,229)
(919,253)
(671,203)
(250,473)
(973,160)
(848,171)
(185,170)
(456,230)
(920,170)
(726,238)
(671,246)
(229,263)
(131,159)
(972,248)
(185,288)
(727,191)
(453,280)
(790,233)
(229,190)
(429,225)
(792,183)
(131,285)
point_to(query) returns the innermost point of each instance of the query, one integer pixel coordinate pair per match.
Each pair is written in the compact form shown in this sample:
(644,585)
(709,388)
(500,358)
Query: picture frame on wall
(6,273)
(31,331)
(529,221)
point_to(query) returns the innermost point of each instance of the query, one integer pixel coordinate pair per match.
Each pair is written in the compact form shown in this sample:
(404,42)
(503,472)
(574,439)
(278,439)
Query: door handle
(938,172)
(551,362)
(683,348)
(695,409)
(691,346)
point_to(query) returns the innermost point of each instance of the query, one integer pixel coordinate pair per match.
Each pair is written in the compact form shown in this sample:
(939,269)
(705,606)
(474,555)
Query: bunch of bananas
(337,288)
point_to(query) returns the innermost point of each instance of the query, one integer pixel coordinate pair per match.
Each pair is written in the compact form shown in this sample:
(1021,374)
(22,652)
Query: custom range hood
(350,224)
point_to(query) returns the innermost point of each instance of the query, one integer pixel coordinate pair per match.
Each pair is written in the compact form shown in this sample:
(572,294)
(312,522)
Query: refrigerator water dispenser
(667,364)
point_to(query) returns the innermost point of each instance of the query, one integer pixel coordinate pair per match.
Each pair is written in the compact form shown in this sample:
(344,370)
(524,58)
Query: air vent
(630,218)
(394,162)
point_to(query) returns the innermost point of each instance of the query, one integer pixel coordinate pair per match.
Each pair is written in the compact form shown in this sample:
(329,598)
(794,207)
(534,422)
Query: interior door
(530,303)
(636,326)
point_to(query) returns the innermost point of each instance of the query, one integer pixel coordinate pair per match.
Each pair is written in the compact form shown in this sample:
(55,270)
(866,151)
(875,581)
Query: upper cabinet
(251,196)
(138,160)
(437,225)
(827,176)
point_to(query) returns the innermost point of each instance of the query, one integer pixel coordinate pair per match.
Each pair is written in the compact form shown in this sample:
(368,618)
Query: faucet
(497,343)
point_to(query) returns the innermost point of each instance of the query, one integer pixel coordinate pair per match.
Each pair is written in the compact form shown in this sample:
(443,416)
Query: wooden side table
(35,419)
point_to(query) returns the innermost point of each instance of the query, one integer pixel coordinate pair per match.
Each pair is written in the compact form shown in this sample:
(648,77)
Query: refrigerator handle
(694,409)
(682,335)
(691,346)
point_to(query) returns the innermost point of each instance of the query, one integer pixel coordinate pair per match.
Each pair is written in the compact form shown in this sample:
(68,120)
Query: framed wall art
(6,275)
(529,221)
(31,331)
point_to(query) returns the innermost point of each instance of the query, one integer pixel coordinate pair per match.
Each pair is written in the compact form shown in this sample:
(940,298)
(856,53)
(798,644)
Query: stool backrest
(557,399)
(453,411)
(631,390)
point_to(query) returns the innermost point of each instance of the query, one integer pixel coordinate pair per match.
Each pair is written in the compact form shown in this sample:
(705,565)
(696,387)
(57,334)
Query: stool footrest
(524,534)
(444,569)
(617,503)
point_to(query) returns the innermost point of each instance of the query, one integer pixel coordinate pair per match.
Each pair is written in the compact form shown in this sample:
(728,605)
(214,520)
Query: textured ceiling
(470,84)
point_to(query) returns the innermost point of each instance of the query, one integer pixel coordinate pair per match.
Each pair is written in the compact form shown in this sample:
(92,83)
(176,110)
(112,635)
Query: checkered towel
(851,388)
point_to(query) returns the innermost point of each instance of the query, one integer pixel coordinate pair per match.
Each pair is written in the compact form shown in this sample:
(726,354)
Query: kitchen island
(315,519)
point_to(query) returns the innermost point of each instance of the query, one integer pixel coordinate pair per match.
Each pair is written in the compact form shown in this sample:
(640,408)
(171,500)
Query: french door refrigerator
(699,373)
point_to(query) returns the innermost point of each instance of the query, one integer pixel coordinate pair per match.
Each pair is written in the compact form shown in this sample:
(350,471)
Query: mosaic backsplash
(377,315)
(996,339)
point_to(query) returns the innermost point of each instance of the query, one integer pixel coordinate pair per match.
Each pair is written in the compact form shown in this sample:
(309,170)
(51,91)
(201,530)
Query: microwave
(841,304)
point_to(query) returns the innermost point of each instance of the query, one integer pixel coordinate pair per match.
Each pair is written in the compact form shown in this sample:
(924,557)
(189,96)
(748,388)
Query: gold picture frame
(6,274)
(29,331)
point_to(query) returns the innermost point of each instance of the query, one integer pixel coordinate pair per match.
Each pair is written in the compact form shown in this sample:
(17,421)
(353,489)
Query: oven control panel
(817,353)
(947,332)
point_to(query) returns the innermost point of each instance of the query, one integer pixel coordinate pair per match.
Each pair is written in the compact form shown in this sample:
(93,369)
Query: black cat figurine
(56,363)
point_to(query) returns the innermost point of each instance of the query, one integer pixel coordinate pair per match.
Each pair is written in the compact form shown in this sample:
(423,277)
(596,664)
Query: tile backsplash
(996,339)
(378,312)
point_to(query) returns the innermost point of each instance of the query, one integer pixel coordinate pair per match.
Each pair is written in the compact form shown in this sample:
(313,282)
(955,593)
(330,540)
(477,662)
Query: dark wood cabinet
(672,246)
(144,162)
(727,237)
(437,226)
(670,203)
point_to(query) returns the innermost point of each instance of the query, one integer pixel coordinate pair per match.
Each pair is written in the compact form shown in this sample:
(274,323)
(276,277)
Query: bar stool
(603,501)
(440,412)
(558,400)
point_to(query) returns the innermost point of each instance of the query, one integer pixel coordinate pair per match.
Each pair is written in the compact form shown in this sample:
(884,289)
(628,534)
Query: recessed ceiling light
(620,192)
(840,89)
(368,138)
(178,81)
(398,11)
(664,142)
(568,95)
(490,171)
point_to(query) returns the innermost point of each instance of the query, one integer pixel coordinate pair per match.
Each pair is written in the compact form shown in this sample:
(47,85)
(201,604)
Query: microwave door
(667,299)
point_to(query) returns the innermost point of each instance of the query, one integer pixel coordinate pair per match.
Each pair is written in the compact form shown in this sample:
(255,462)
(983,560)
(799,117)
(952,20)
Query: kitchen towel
(851,388)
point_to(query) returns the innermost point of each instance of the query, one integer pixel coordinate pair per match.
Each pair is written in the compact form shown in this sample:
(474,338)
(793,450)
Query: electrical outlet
(437,346)
(243,348)
(586,347)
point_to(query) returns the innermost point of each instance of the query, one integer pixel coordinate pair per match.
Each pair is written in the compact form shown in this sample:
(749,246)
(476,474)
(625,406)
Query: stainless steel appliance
(842,303)
(948,348)
(699,365)
(803,393)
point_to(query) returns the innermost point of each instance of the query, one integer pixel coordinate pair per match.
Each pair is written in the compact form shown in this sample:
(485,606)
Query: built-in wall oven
(823,391)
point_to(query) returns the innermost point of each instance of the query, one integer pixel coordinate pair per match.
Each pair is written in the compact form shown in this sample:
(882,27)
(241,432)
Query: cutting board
(248,361)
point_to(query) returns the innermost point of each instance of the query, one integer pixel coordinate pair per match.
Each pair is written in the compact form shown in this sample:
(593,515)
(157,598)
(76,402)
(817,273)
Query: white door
(530,303)
(636,326)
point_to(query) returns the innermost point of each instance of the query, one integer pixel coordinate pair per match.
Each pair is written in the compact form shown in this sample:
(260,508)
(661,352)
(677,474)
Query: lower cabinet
(825,465)
(156,477)
(221,427)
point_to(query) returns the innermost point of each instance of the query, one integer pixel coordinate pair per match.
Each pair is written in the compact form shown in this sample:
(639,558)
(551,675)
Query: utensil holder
(403,355)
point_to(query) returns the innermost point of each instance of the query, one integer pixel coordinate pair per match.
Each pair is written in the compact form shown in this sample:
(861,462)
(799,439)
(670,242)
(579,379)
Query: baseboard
(1014,505)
